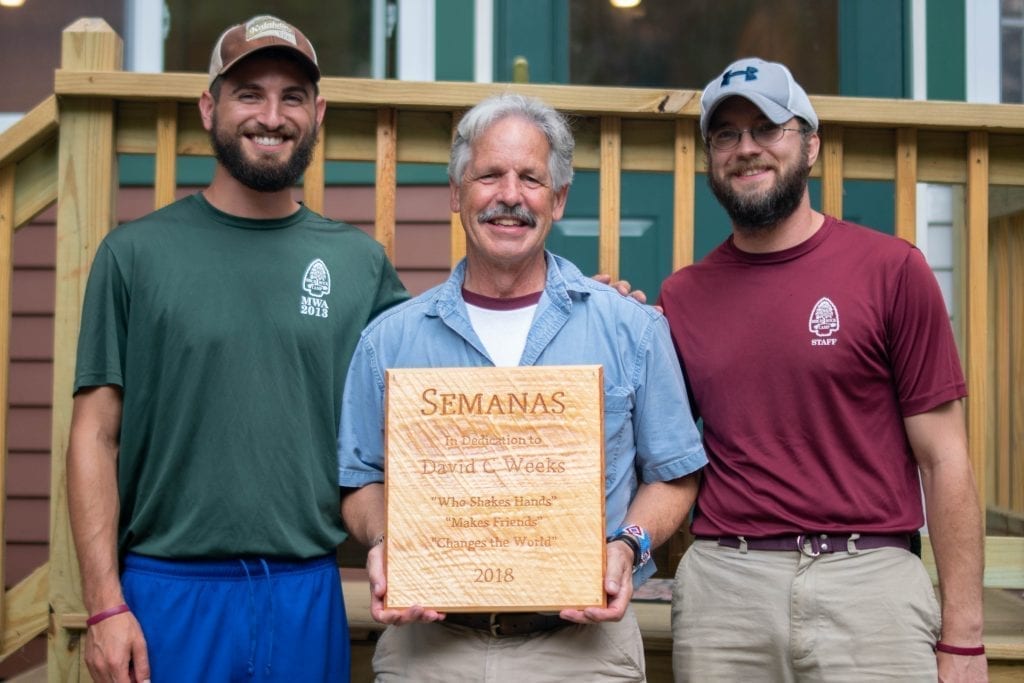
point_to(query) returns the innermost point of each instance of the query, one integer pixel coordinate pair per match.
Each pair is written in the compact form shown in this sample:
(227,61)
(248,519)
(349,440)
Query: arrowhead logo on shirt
(316,282)
(824,322)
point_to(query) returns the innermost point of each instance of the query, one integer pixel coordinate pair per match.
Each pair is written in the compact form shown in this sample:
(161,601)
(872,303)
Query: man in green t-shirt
(216,334)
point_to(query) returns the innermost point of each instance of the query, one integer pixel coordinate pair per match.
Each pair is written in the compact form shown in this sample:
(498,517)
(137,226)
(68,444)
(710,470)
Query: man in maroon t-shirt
(820,357)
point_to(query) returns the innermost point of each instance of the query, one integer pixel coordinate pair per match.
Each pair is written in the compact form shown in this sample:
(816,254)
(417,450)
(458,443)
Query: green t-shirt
(230,339)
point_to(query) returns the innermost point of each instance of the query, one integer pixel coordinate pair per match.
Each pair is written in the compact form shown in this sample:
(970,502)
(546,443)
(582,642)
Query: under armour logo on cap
(749,74)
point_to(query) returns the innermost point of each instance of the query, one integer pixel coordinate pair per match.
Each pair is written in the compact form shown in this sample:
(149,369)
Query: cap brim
(311,68)
(775,112)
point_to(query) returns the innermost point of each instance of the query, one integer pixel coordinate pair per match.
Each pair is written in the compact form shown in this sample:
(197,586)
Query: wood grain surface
(495,488)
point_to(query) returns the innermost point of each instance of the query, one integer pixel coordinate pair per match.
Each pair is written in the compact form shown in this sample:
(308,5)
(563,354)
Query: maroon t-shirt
(803,364)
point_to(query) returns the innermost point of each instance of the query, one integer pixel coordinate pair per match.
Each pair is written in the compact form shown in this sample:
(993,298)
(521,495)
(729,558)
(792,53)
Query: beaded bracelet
(962,651)
(106,614)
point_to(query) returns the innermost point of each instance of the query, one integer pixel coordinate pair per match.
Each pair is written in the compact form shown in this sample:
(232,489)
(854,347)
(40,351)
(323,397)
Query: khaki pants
(784,616)
(440,652)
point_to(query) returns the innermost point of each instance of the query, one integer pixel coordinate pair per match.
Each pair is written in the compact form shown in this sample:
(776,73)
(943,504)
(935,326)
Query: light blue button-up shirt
(649,432)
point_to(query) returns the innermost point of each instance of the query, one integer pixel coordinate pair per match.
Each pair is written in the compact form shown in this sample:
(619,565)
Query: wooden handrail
(588,100)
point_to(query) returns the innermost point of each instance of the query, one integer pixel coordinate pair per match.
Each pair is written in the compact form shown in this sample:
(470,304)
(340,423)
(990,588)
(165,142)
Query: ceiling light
(624,4)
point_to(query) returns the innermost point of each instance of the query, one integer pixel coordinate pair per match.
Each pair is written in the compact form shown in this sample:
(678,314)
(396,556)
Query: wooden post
(976,328)
(906,184)
(684,200)
(87,187)
(165,178)
(387,179)
(315,178)
(610,199)
(832,170)
(457,250)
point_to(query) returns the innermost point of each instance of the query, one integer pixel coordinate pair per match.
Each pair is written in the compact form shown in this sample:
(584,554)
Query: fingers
(379,590)
(375,573)
(622,287)
(140,661)
(639,295)
(574,615)
(405,616)
(114,647)
(618,585)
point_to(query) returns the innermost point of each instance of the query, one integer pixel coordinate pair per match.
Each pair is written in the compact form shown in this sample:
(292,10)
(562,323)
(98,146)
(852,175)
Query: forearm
(939,440)
(660,507)
(362,511)
(93,500)
(955,530)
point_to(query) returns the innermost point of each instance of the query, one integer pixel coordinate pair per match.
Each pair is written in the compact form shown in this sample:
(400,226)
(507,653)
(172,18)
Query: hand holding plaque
(495,488)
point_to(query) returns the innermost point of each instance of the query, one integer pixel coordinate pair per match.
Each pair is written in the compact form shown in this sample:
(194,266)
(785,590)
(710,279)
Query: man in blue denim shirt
(512,303)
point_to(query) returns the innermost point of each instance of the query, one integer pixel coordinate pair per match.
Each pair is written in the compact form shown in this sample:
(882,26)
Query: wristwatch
(637,538)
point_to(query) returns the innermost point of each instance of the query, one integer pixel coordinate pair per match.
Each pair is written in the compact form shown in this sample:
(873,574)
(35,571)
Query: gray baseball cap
(769,85)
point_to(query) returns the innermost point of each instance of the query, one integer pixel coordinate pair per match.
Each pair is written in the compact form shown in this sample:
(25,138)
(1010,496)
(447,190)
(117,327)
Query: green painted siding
(537,30)
(453,46)
(872,34)
(947,49)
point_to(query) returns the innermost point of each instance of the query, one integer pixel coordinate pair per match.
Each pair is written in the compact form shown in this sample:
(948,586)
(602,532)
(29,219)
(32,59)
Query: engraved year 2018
(494,575)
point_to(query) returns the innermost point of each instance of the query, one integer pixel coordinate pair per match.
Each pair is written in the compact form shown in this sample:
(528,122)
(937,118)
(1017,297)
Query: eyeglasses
(764,134)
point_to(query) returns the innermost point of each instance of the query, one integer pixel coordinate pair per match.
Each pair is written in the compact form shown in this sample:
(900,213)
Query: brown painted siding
(30,389)
(422,259)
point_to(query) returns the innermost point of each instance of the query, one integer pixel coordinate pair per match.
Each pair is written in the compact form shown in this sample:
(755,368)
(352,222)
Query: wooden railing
(65,151)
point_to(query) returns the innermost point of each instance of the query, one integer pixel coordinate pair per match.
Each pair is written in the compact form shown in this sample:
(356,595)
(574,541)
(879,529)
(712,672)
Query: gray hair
(488,112)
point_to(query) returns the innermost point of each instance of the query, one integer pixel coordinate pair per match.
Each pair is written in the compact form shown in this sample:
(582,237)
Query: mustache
(502,210)
(284,130)
(744,166)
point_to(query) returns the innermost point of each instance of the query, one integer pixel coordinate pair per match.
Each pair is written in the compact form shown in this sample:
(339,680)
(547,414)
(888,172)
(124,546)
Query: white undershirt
(502,331)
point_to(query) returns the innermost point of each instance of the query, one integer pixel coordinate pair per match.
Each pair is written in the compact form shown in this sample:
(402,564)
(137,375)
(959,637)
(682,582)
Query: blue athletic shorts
(240,620)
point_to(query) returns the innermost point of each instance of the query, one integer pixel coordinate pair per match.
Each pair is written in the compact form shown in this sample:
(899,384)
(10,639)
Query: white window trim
(483,41)
(145,29)
(416,39)
(983,38)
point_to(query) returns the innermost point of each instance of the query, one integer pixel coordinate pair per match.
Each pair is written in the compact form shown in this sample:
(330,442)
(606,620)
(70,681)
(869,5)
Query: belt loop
(495,625)
(851,544)
(801,542)
(743,544)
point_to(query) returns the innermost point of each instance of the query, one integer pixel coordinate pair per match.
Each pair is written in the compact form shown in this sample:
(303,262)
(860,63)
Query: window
(665,43)
(1012,51)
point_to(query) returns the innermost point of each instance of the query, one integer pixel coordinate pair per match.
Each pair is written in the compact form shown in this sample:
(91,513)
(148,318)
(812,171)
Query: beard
(760,212)
(262,175)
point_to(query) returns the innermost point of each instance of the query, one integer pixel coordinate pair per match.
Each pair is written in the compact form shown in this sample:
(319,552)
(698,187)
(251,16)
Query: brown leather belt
(815,544)
(508,624)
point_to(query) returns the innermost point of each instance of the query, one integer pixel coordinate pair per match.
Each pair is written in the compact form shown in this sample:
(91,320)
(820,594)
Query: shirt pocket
(618,430)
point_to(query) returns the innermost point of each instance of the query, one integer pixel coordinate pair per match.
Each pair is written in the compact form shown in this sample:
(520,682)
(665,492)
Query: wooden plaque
(494,479)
